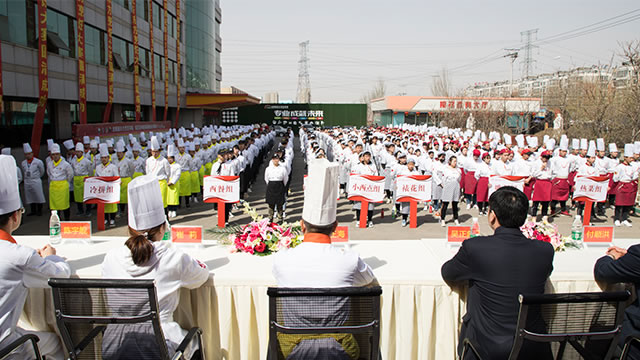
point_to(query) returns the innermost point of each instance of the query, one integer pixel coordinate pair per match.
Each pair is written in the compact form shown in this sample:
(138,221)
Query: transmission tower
(304,85)
(528,37)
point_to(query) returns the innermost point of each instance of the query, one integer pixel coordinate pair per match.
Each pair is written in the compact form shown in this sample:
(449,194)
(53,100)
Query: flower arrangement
(544,231)
(260,237)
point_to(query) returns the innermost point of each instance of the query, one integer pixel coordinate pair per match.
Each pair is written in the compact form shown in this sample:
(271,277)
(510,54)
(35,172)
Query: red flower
(260,247)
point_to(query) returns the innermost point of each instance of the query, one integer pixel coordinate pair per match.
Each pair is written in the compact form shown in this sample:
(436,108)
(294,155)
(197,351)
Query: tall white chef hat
(104,151)
(9,191)
(146,210)
(320,200)
(507,139)
(613,148)
(49,144)
(600,144)
(120,147)
(26,148)
(86,140)
(191,146)
(68,144)
(628,150)
(155,145)
(180,142)
(520,141)
(79,147)
(575,144)
(636,147)
(172,150)
(136,147)
(592,149)
(584,144)
(564,144)
(93,144)
(55,149)
(143,137)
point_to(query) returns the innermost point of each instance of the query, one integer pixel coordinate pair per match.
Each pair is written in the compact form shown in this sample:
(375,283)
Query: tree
(441,84)
(629,99)
(379,91)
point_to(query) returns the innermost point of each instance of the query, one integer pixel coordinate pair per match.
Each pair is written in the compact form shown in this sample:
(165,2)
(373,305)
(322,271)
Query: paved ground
(385,228)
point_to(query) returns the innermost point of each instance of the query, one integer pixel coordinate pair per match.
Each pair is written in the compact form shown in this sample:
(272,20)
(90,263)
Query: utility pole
(513,54)
(304,84)
(528,37)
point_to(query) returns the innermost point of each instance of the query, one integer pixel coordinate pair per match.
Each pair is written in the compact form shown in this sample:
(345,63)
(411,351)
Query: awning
(219,101)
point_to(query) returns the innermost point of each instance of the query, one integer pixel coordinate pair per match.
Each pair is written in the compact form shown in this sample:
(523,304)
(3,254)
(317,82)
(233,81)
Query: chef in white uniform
(158,167)
(33,171)
(154,259)
(307,264)
(22,268)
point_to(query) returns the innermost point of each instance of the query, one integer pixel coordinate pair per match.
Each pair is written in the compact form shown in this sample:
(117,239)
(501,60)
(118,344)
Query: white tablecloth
(420,317)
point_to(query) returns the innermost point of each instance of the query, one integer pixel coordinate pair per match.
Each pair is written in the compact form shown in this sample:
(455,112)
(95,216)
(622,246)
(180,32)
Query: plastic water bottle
(167,233)
(576,229)
(54,228)
(475,228)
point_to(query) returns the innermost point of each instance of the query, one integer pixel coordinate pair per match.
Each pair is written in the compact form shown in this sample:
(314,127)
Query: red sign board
(186,234)
(458,233)
(341,235)
(598,234)
(75,229)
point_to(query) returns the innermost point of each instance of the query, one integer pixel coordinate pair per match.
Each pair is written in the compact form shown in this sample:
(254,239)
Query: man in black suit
(498,269)
(623,266)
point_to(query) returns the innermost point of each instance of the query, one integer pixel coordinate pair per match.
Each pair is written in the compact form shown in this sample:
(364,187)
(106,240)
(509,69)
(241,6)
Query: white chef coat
(84,167)
(176,171)
(276,173)
(587,170)
(22,268)
(158,167)
(483,170)
(501,168)
(33,173)
(540,173)
(126,167)
(560,167)
(625,173)
(138,165)
(171,269)
(109,170)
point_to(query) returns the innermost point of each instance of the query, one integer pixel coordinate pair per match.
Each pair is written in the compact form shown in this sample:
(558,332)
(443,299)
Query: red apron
(528,188)
(462,172)
(482,189)
(626,193)
(560,189)
(612,185)
(470,182)
(542,190)
(572,178)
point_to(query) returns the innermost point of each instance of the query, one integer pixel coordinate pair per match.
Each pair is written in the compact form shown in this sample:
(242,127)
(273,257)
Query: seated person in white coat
(22,268)
(316,263)
(145,256)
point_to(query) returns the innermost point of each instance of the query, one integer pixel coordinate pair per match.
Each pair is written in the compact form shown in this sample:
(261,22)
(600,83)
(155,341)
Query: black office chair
(589,322)
(4,352)
(631,346)
(113,319)
(324,323)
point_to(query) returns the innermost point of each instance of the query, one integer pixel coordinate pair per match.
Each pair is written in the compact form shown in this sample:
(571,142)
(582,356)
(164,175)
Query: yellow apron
(173,196)
(201,173)
(59,195)
(163,190)
(124,184)
(207,169)
(195,182)
(136,174)
(110,208)
(78,188)
(185,183)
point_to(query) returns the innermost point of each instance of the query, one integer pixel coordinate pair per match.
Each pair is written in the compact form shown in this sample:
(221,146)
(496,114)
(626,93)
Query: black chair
(589,322)
(113,319)
(324,321)
(19,342)
(630,342)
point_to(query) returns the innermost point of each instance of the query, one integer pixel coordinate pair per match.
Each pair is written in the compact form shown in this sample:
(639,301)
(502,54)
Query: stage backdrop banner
(102,189)
(366,188)
(413,187)
(496,182)
(592,188)
(222,188)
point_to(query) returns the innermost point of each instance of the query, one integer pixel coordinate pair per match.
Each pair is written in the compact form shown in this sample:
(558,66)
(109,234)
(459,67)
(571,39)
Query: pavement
(385,227)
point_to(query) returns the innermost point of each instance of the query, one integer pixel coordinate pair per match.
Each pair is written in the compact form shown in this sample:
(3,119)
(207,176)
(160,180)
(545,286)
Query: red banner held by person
(413,188)
(591,188)
(496,182)
(368,188)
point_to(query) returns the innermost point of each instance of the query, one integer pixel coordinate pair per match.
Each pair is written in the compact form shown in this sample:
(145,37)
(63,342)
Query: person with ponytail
(145,256)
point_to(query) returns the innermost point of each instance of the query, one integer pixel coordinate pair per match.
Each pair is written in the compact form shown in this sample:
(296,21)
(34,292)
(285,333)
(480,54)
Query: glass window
(95,45)
(172,73)
(142,9)
(158,66)
(62,34)
(18,22)
(158,15)
(144,62)
(123,3)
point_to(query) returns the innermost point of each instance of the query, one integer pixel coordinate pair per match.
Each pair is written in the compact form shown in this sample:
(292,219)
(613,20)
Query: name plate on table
(597,235)
(458,234)
(341,235)
(186,234)
(76,230)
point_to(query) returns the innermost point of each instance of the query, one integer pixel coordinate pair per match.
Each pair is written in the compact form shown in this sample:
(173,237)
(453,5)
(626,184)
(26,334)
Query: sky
(355,43)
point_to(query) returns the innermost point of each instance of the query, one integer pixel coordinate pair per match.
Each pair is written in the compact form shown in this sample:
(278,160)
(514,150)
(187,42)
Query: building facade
(103,62)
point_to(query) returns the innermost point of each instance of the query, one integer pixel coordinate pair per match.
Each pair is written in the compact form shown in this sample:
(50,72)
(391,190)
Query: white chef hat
(575,144)
(636,147)
(507,139)
(520,141)
(180,142)
(104,152)
(49,144)
(320,204)
(143,136)
(564,144)
(584,144)
(146,210)
(550,144)
(93,144)
(191,146)
(592,149)
(68,144)
(86,140)
(26,148)
(109,143)
(55,148)
(6,151)
(613,148)
(79,147)
(600,144)
(172,151)
(9,191)
(155,145)
(136,147)
(628,150)
(120,147)
(196,141)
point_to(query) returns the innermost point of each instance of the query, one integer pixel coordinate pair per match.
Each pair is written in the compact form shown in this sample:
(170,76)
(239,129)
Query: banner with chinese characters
(102,189)
(177,72)
(82,71)
(593,188)
(366,188)
(107,109)
(222,188)
(598,234)
(43,77)
(186,234)
(136,60)
(165,38)
(75,229)
(153,66)
(413,188)
(458,233)
(496,182)
(340,235)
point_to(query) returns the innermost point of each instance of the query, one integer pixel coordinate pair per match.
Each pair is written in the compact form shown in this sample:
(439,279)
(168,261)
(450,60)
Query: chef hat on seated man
(146,210)
(320,195)
(9,192)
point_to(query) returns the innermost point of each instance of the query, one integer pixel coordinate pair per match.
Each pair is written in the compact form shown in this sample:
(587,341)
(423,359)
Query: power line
(529,36)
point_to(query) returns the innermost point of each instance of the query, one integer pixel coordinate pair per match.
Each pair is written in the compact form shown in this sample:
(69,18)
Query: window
(158,16)
(18,22)
(142,9)
(61,38)
(172,72)
(123,3)
(95,45)
(143,63)
(159,66)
